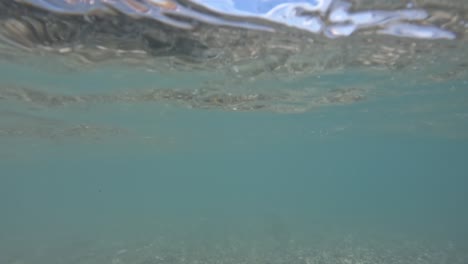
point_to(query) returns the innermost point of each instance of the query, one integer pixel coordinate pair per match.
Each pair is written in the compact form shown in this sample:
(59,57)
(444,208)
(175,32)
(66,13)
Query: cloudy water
(266,131)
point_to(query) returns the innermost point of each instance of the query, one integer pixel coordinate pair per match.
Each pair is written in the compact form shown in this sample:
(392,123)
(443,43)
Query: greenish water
(382,180)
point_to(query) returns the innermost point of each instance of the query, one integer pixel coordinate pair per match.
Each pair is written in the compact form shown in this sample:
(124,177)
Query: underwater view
(233,131)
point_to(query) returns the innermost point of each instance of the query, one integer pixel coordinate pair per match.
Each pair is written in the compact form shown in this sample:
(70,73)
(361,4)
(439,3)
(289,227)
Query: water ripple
(331,18)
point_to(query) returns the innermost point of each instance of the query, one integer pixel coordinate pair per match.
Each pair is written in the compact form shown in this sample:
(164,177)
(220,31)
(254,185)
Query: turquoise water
(371,182)
(100,178)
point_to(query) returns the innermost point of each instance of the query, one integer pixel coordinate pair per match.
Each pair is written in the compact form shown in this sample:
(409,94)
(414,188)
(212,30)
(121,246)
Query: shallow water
(105,162)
